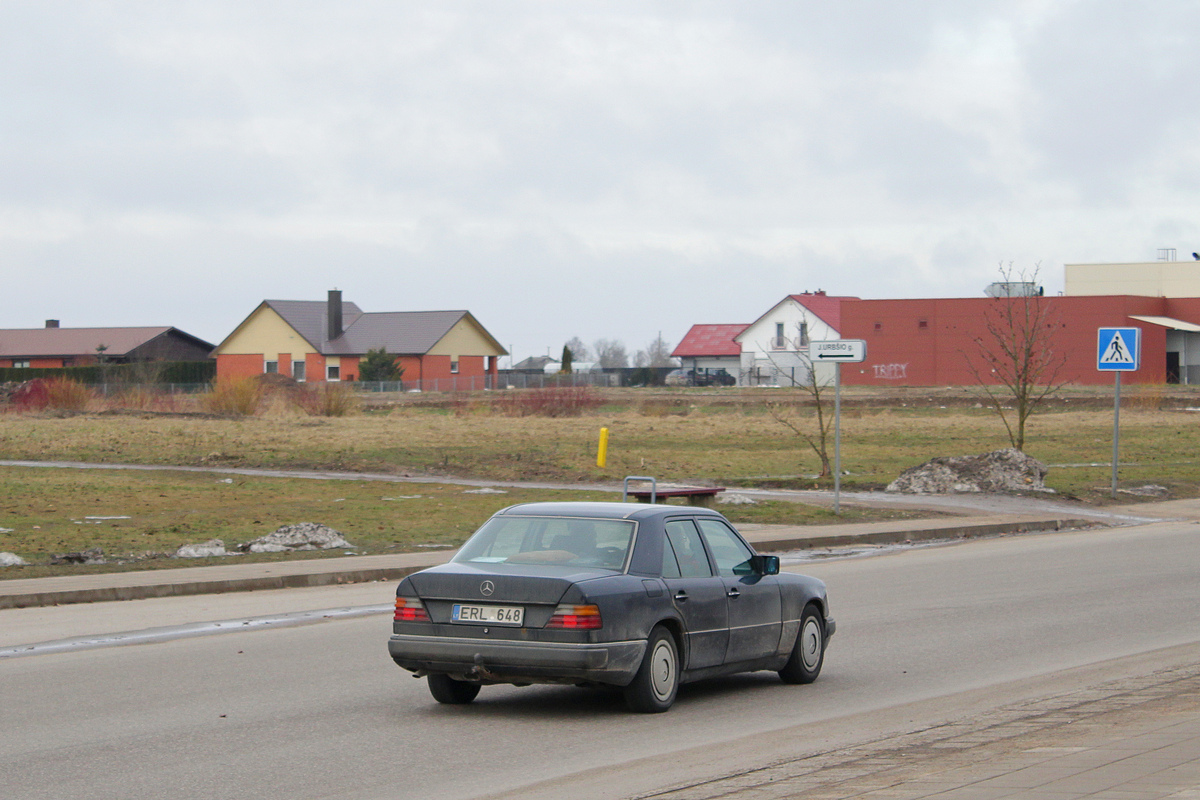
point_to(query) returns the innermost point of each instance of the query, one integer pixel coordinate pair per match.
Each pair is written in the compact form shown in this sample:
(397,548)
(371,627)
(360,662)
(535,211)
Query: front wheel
(447,690)
(808,654)
(657,681)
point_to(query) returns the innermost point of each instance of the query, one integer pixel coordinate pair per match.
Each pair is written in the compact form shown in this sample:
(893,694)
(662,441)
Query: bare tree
(579,350)
(656,354)
(1016,364)
(610,353)
(791,414)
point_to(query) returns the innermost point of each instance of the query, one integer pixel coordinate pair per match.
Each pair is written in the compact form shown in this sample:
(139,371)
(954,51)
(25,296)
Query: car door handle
(734,593)
(681,596)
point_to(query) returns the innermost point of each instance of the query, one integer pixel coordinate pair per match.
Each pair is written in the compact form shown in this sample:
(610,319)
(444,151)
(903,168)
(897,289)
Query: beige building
(1164,278)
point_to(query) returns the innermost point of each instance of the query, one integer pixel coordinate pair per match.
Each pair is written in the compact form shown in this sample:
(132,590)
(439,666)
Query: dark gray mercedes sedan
(643,597)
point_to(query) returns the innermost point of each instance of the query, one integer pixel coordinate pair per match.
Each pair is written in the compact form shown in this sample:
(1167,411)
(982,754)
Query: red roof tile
(710,340)
(827,307)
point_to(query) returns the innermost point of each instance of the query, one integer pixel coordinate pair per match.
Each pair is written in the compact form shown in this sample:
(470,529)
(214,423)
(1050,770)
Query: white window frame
(270,367)
(299,368)
(333,372)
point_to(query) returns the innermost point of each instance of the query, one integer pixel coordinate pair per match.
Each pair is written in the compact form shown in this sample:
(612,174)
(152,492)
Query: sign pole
(1118,350)
(1116,429)
(837,437)
(835,352)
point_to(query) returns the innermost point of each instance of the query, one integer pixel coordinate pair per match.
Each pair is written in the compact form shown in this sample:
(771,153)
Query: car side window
(688,550)
(730,552)
(670,564)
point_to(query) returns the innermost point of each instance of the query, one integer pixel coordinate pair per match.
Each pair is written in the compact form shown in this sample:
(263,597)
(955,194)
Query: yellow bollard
(602,453)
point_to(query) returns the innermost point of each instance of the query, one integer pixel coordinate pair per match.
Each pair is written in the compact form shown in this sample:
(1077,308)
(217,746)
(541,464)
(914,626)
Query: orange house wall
(902,353)
(416,368)
(314,367)
(239,365)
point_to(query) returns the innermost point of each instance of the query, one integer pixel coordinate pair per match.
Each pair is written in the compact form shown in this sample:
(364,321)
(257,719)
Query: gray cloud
(592,169)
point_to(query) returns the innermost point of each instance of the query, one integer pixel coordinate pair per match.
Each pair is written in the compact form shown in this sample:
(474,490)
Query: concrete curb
(364,569)
(900,536)
(177,589)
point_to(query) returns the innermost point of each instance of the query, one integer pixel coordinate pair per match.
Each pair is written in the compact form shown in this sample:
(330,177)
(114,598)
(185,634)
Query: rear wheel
(657,681)
(447,690)
(808,654)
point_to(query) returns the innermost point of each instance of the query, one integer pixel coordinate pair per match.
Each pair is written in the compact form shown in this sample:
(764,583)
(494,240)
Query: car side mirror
(765,565)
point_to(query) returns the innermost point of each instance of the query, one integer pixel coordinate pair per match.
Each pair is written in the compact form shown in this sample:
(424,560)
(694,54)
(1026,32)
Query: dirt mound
(1005,471)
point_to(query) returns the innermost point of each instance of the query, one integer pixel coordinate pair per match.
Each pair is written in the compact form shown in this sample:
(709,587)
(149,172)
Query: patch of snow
(12,560)
(213,547)
(736,500)
(301,536)
(485,490)
(1149,490)
(1007,470)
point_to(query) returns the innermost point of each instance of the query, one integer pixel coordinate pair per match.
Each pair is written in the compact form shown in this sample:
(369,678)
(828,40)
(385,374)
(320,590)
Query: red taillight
(576,618)
(410,609)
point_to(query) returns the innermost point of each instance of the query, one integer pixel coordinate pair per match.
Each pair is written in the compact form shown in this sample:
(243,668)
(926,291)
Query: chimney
(335,314)
(51,323)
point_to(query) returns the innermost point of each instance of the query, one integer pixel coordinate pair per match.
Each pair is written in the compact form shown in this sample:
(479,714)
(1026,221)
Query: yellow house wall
(464,339)
(266,332)
(1147,279)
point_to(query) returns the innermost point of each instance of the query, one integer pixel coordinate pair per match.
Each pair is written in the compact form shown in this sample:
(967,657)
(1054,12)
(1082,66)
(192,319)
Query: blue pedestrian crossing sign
(1118,349)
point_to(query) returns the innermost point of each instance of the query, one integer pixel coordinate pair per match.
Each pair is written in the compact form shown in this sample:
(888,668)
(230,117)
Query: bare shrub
(30,395)
(557,401)
(65,394)
(235,397)
(328,400)
(143,398)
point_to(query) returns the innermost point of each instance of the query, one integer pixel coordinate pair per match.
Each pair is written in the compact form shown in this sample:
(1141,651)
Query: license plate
(491,615)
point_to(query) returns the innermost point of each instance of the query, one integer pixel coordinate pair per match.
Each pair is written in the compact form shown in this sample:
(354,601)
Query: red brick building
(929,342)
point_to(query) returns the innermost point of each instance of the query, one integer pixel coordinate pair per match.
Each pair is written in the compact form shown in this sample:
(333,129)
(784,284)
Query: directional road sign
(1118,349)
(838,350)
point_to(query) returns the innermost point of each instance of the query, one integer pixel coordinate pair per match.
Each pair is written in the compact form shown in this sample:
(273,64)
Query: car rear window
(549,541)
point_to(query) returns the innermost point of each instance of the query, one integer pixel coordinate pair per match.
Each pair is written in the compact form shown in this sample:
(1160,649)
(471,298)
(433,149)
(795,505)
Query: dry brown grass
(726,445)
(234,397)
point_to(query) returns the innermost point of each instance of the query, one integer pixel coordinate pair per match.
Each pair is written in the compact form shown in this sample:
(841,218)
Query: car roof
(613,510)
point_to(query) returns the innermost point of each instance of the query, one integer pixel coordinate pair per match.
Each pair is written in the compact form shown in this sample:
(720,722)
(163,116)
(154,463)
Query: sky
(614,170)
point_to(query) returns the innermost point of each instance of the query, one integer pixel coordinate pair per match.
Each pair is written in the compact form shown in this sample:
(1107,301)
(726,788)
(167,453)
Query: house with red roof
(774,348)
(706,350)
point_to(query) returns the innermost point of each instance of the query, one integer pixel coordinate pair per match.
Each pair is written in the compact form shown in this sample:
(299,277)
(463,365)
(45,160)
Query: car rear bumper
(518,661)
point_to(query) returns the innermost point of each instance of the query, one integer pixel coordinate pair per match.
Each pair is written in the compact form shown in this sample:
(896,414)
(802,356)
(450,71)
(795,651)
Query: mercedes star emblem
(486,588)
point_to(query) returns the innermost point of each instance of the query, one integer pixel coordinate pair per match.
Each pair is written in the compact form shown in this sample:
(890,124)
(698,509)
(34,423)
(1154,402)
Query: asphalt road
(319,711)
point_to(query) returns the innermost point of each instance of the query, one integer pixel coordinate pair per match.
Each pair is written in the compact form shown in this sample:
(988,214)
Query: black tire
(447,690)
(657,681)
(808,654)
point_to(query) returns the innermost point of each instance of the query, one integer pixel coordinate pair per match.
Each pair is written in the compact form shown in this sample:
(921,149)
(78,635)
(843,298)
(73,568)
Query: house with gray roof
(313,340)
(54,346)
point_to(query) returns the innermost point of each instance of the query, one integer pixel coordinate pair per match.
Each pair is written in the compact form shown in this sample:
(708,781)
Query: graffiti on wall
(891,372)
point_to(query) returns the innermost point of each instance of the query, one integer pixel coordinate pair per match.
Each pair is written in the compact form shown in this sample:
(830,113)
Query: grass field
(678,438)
